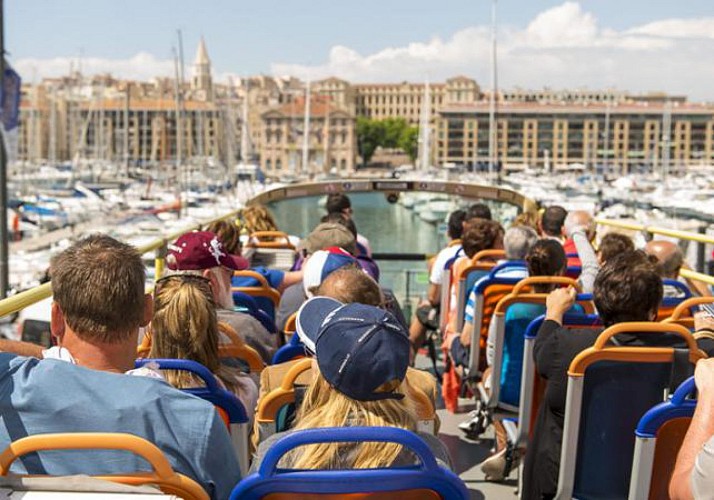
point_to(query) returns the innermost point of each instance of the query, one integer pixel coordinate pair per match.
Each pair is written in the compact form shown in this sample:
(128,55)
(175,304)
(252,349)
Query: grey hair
(518,241)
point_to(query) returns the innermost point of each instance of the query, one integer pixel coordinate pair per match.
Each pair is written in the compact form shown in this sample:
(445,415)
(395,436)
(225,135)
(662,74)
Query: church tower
(202,83)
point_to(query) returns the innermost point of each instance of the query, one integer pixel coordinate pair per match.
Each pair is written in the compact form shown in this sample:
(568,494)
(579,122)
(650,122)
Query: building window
(278,164)
(343,164)
(268,164)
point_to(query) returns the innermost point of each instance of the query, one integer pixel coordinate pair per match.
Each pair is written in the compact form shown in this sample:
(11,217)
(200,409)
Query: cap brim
(235,262)
(310,317)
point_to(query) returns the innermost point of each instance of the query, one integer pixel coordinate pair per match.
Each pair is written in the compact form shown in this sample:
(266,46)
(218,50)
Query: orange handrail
(545,280)
(162,474)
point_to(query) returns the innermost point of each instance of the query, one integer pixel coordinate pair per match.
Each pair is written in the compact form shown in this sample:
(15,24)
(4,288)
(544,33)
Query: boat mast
(606,140)
(244,139)
(424,127)
(179,135)
(666,135)
(492,152)
(4,268)
(306,131)
(126,129)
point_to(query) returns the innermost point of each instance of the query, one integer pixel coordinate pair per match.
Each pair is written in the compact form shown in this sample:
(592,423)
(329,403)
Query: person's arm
(216,463)
(546,343)
(21,348)
(289,279)
(433,294)
(588,259)
(491,343)
(701,429)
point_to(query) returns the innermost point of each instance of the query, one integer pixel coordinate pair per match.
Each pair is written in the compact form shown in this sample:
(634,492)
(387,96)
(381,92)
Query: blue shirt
(50,396)
(274,277)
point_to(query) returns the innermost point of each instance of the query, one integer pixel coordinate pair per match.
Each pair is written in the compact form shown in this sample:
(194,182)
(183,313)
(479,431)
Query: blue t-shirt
(274,277)
(50,396)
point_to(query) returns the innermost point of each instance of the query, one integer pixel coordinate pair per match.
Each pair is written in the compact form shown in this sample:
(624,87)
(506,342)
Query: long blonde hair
(324,406)
(258,218)
(185,326)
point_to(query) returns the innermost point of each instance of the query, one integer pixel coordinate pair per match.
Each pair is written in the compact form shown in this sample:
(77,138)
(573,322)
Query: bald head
(669,256)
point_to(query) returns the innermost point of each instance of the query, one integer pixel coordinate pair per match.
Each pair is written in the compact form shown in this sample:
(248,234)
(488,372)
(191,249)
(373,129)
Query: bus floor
(467,454)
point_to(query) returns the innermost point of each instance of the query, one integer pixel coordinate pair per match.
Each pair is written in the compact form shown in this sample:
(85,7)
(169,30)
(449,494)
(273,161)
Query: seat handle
(85,441)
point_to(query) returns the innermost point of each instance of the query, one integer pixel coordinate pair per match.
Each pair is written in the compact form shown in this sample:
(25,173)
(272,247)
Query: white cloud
(142,66)
(562,47)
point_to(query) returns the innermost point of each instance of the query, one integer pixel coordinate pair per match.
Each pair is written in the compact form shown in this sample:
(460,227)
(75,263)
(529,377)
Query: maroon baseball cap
(201,250)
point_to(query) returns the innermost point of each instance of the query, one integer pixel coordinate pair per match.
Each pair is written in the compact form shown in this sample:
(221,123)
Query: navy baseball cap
(358,347)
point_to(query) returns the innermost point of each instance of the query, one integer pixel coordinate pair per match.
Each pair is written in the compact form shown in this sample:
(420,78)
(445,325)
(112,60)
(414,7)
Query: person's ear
(57,323)
(148,309)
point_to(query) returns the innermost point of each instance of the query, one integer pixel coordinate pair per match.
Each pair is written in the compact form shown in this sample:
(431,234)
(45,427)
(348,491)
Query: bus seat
(598,446)
(425,481)
(292,350)
(683,314)
(271,249)
(162,475)
(532,385)
(219,397)
(266,297)
(659,437)
(246,303)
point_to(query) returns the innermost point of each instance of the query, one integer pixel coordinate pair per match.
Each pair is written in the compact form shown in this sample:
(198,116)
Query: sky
(634,45)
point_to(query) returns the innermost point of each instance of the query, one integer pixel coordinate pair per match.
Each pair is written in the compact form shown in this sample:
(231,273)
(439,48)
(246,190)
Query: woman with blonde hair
(361,358)
(185,326)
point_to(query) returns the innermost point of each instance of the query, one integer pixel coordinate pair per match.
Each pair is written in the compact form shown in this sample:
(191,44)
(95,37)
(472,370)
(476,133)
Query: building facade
(625,136)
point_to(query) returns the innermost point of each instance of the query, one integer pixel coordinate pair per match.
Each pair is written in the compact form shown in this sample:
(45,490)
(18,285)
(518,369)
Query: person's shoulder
(245,320)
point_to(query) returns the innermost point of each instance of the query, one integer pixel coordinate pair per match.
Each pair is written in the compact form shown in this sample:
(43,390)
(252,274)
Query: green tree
(369,137)
(393,133)
(409,142)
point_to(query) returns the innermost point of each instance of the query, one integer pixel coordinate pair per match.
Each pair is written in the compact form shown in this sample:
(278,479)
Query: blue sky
(377,40)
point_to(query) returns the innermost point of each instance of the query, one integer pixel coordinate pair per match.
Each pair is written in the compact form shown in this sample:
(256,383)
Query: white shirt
(437,269)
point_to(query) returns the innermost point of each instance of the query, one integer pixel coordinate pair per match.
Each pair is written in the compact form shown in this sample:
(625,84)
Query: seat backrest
(212,391)
(464,277)
(162,475)
(292,350)
(249,305)
(487,293)
(660,434)
(532,384)
(271,403)
(427,480)
(290,327)
(683,313)
(510,335)
(598,446)
(265,297)
(269,239)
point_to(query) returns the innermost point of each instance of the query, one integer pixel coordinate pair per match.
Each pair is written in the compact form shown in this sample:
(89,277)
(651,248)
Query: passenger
(581,219)
(518,242)
(323,236)
(692,475)
(672,259)
(258,218)
(99,305)
(546,258)
(347,285)
(579,229)
(627,288)
(426,316)
(479,234)
(323,262)
(361,361)
(365,261)
(551,223)
(185,326)
(527,219)
(229,234)
(612,245)
(478,211)
(201,253)
(340,203)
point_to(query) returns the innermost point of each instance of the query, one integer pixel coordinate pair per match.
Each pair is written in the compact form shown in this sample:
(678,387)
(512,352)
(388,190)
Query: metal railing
(699,238)
(21,300)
